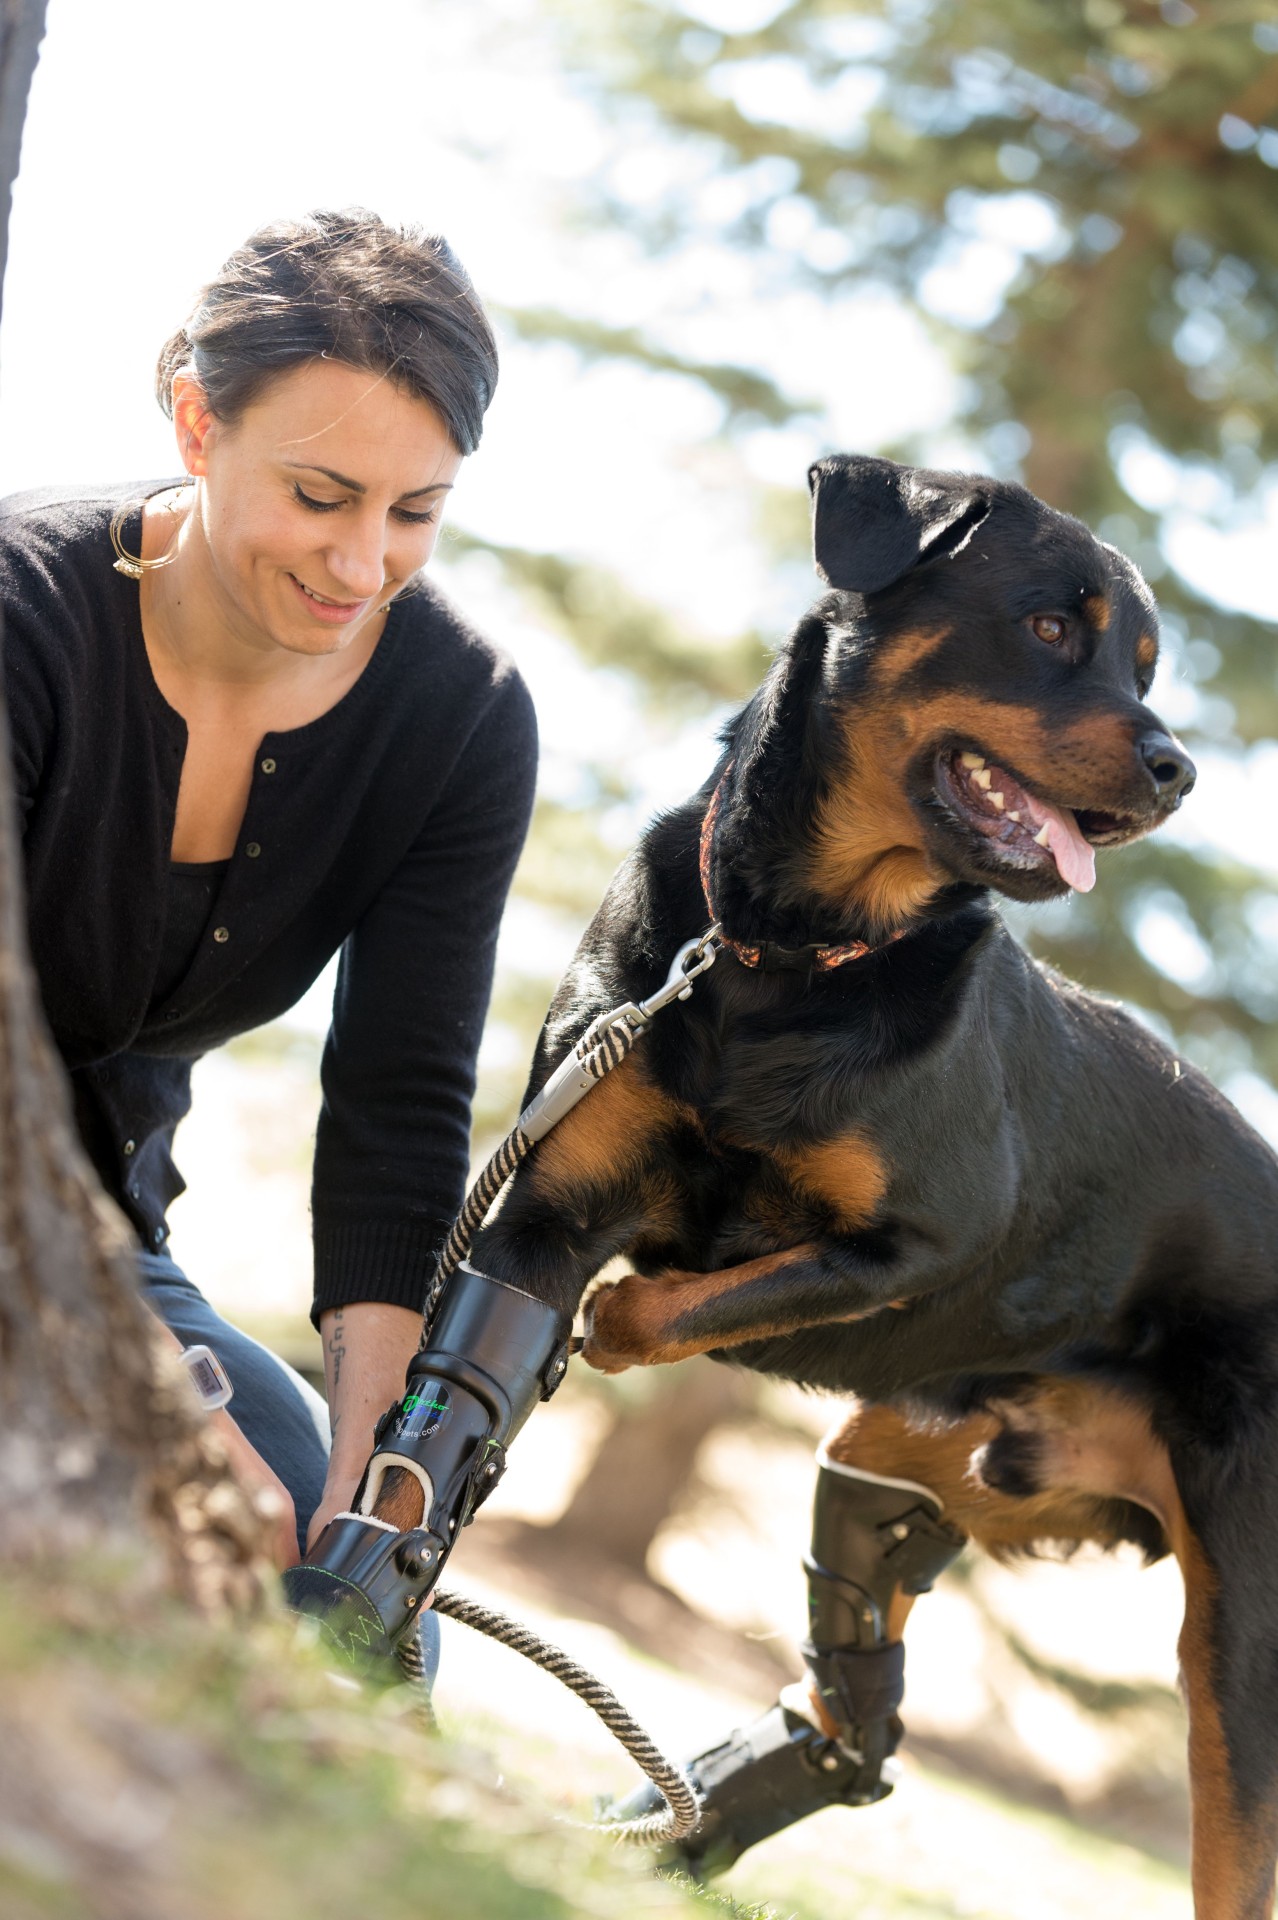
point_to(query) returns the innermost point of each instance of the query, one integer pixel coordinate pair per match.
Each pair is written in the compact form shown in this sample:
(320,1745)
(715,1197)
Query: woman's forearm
(367,1348)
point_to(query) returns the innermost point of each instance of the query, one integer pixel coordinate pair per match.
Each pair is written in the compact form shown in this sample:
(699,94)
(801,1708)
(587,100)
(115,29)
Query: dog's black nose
(1170,767)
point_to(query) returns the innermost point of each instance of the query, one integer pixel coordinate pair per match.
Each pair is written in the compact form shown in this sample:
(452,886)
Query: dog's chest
(822,1128)
(728,1197)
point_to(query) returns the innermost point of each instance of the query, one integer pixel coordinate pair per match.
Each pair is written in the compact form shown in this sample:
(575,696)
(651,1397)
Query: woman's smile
(319,606)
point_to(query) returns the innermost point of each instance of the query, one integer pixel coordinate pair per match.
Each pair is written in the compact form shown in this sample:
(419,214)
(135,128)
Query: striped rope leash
(601,1048)
(683,1809)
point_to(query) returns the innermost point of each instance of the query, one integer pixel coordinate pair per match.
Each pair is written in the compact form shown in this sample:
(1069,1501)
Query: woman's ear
(193,422)
(873,520)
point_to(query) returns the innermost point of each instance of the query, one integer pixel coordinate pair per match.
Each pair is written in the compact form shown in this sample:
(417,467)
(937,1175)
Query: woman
(246,734)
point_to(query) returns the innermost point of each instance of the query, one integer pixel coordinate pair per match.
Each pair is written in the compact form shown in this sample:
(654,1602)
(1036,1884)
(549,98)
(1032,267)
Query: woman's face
(318,504)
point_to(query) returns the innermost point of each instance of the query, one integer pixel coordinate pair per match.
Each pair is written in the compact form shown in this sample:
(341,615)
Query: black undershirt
(193,888)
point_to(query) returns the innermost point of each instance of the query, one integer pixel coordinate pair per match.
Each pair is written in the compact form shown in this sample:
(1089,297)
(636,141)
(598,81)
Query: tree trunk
(101,1444)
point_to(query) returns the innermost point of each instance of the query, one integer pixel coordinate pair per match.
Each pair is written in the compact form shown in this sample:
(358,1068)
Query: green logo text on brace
(414,1400)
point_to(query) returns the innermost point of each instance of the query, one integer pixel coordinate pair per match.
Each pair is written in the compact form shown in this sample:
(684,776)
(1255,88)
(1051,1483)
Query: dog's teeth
(997,801)
(980,779)
(1042,838)
(1013,814)
(971,760)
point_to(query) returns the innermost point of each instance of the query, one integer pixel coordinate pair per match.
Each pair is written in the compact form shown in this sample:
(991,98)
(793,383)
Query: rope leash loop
(683,1808)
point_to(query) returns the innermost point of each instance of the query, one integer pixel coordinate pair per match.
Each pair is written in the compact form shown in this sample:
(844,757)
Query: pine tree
(1079,201)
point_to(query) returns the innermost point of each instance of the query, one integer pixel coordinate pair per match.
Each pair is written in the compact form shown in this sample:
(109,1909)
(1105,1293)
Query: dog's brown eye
(1048,627)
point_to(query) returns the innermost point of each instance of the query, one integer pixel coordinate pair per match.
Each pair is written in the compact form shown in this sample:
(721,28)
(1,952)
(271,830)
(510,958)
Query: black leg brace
(871,1540)
(493,1353)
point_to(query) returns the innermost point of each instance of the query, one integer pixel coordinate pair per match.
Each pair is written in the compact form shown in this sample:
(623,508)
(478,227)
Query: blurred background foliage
(1078,204)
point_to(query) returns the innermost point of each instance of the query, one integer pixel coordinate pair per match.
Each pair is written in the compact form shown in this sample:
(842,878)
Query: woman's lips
(333,613)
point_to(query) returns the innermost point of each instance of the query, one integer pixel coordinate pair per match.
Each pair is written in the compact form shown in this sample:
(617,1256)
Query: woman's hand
(264,1487)
(339,1492)
(266,1490)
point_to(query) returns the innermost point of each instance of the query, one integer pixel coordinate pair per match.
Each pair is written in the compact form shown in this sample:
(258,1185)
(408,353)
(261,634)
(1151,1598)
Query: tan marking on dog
(1096,1438)
(1216,1838)
(847,1174)
(940,1456)
(868,852)
(1098,612)
(1146,650)
(867,844)
(610,1132)
(1232,1856)
(899,656)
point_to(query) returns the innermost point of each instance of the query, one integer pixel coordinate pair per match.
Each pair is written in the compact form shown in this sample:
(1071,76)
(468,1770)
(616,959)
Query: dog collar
(766,954)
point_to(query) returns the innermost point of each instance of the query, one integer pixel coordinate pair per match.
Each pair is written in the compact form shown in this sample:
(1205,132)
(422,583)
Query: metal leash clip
(571,1080)
(692,959)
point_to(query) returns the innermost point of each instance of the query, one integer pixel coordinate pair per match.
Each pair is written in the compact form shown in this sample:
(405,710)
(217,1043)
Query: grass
(152,1765)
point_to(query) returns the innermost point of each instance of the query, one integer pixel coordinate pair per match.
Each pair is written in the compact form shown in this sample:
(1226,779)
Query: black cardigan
(389,828)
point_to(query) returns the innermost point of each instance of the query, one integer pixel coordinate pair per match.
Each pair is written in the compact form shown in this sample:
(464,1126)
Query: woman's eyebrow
(357,486)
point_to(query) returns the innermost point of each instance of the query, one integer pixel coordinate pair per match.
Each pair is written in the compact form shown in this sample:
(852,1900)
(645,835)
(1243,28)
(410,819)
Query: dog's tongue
(1075,859)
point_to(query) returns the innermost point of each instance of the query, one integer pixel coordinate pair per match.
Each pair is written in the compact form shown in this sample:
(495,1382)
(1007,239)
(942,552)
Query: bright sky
(161,133)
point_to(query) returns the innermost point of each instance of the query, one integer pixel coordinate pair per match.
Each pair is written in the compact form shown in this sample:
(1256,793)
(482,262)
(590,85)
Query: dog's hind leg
(1219,1522)
(878,1540)
(1233,1748)
(896,1501)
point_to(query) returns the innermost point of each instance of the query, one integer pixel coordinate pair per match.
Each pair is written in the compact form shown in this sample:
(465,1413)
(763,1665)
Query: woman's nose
(358,561)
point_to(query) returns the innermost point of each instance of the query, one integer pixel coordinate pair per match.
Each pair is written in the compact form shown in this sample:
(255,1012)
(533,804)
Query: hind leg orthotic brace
(872,1540)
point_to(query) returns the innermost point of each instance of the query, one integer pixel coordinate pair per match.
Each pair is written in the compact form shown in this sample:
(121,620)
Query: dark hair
(348,287)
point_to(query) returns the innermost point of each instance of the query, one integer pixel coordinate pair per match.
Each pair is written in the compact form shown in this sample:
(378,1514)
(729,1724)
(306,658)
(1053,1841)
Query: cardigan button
(135,1190)
(129,1148)
(252,849)
(221,935)
(268,766)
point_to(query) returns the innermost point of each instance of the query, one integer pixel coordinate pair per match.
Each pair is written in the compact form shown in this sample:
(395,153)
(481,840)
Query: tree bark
(101,1443)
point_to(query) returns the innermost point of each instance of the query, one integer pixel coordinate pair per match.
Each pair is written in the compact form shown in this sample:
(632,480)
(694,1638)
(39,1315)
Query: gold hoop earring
(132,565)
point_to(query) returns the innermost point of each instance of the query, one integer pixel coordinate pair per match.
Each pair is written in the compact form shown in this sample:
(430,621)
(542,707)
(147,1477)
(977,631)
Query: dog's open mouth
(1025,832)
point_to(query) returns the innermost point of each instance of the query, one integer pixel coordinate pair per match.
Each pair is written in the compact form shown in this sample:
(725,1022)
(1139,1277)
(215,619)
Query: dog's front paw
(623,1324)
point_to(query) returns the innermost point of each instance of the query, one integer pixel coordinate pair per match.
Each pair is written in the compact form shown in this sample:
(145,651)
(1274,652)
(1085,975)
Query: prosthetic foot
(494,1352)
(875,1543)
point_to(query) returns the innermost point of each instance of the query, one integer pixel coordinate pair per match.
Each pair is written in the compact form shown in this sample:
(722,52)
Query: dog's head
(986,666)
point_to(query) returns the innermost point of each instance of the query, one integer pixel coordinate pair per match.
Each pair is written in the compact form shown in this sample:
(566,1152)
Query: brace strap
(859,1685)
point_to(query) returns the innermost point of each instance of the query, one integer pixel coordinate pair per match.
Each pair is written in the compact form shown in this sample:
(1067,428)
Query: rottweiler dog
(882,1152)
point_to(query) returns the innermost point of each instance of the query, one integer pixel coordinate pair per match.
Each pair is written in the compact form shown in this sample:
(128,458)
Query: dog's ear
(873,520)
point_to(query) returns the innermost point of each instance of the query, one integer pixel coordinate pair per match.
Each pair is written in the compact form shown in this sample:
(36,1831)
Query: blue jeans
(277,1412)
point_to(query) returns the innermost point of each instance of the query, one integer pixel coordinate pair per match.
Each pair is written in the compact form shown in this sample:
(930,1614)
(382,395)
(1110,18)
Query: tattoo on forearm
(336,1345)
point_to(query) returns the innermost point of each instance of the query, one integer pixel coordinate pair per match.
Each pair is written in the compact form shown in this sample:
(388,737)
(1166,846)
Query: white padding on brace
(377,1467)
(369,1520)
(876,1479)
